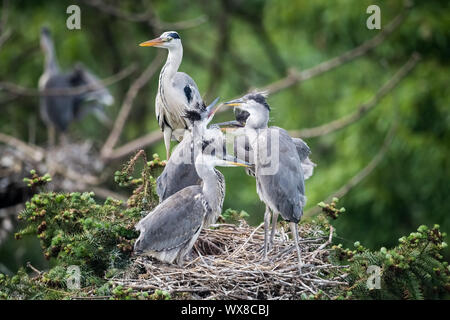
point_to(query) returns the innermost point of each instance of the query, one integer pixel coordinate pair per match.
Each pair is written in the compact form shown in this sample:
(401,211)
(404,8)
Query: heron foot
(265,258)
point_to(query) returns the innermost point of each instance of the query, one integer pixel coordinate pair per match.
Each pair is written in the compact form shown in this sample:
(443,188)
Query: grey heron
(170,230)
(179,171)
(177,91)
(278,172)
(302,147)
(58,111)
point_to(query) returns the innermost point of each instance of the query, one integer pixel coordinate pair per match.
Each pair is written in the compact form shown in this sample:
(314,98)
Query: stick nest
(227,263)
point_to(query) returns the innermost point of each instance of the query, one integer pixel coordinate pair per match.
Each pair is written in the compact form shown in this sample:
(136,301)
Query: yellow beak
(237,164)
(152,43)
(232,104)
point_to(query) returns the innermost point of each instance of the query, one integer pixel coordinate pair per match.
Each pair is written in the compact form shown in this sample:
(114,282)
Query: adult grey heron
(177,91)
(58,111)
(278,171)
(170,230)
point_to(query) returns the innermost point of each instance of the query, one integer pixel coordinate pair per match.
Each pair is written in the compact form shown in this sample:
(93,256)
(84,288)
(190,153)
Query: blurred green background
(242,45)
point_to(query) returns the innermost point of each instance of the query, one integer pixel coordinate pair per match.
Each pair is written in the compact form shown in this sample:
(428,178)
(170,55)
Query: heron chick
(243,148)
(170,230)
(177,91)
(277,162)
(179,171)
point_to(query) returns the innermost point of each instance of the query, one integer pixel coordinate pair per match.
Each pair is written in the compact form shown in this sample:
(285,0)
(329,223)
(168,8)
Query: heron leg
(294,230)
(51,136)
(274,227)
(266,231)
(167,138)
(62,139)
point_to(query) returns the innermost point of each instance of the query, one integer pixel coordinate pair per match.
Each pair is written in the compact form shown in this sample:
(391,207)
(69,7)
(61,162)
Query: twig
(361,175)
(323,245)
(364,108)
(106,193)
(29,265)
(5,36)
(128,104)
(34,152)
(245,243)
(23,91)
(296,77)
(148,16)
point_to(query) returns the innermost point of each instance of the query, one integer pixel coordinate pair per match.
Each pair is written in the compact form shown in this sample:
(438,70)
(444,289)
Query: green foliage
(22,286)
(75,230)
(233,216)
(414,269)
(36,180)
(144,195)
(330,209)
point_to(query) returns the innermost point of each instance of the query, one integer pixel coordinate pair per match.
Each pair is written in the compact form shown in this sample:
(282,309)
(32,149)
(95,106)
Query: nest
(227,263)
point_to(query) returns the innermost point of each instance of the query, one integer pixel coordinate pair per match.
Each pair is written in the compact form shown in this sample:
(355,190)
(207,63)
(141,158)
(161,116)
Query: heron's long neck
(51,62)
(172,64)
(212,188)
(257,121)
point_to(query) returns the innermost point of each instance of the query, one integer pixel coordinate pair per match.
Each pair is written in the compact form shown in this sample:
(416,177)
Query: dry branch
(135,145)
(5,36)
(361,175)
(296,77)
(148,16)
(363,109)
(23,91)
(128,104)
(34,152)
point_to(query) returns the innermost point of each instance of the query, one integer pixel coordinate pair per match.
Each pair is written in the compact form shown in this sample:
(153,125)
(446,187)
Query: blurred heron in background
(59,111)
(283,189)
(169,231)
(177,91)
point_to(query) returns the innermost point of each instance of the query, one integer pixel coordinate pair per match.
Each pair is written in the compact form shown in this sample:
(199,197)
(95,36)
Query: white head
(255,104)
(168,40)
(208,144)
(205,162)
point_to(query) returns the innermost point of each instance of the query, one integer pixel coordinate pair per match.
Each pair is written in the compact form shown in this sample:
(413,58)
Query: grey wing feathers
(59,110)
(184,82)
(172,115)
(176,178)
(178,173)
(303,152)
(173,222)
(82,76)
(302,148)
(285,189)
